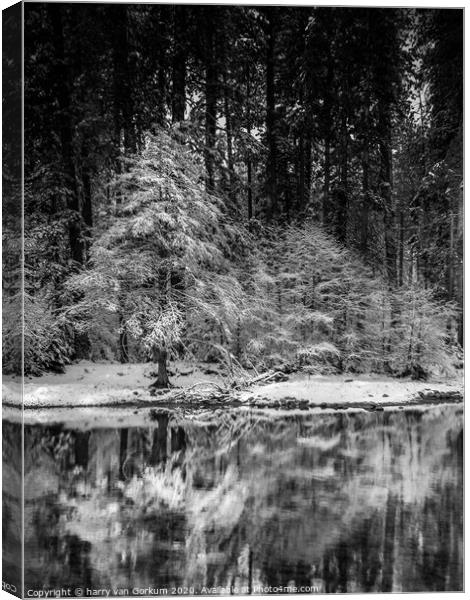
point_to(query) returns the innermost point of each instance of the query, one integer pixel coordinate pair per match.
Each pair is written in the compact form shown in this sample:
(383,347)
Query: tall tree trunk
(308,169)
(390,235)
(82,342)
(86,162)
(250,189)
(386,186)
(451,253)
(301,172)
(211,89)
(459,270)
(390,241)
(64,118)
(365,205)
(249,164)
(365,201)
(401,253)
(454,258)
(161,103)
(327,123)
(342,197)
(228,131)
(326,181)
(178,92)
(124,125)
(87,202)
(87,207)
(271,163)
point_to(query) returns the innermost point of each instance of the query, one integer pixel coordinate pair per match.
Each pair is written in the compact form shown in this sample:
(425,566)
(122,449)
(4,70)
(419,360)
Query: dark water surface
(355,502)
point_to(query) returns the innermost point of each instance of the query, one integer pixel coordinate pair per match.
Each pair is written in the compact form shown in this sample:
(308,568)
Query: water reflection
(347,502)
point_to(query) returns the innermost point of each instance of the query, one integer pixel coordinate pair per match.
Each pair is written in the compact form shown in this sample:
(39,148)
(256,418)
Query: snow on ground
(98,384)
(113,384)
(347,390)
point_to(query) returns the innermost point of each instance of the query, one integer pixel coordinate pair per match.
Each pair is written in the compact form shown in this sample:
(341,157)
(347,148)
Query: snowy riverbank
(91,384)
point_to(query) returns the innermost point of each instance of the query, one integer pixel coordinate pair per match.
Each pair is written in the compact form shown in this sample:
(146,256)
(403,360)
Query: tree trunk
(390,236)
(228,130)
(301,172)
(160,357)
(65,128)
(178,99)
(326,182)
(401,254)
(87,206)
(365,202)
(161,100)
(451,253)
(271,163)
(308,169)
(459,270)
(124,129)
(86,161)
(211,99)
(327,121)
(250,189)
(390,241)
(123,344)
(342,197)
(87,203)
(249,164)
(123,97)
(365,206)
(386,184)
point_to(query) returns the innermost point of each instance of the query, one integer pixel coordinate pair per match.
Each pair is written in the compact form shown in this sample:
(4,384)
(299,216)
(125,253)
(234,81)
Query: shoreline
(118,417)
(87,387)
(113,386)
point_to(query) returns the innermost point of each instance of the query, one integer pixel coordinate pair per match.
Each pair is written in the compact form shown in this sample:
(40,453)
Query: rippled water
(246,502)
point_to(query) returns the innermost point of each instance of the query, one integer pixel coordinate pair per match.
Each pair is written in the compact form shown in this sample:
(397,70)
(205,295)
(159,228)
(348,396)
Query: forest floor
(88,384)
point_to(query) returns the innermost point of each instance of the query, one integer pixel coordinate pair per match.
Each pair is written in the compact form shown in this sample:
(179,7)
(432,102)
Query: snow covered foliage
(162,265)
(35,338)
(339,315)
(40,337)
(169,269)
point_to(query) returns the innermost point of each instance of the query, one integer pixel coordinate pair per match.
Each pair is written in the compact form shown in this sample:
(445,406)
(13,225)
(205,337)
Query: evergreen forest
(255,187)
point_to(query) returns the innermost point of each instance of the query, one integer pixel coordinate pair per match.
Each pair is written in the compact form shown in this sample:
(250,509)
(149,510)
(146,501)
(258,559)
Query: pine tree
(161,261)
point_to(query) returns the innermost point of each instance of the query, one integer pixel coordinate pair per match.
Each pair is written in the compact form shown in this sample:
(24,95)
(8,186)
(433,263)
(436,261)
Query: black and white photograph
(232,340)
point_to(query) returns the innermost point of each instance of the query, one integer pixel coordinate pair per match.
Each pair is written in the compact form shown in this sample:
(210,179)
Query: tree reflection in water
(347,502)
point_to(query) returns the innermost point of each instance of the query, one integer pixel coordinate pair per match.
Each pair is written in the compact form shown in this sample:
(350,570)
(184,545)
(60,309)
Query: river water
(237,501)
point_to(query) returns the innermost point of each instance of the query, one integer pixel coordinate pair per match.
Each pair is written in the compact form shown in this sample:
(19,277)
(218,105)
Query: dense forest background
(241,184)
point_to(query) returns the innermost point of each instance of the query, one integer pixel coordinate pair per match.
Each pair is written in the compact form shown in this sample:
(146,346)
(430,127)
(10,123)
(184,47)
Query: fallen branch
(189,393)
(221,394)
(218,386)
(264,377)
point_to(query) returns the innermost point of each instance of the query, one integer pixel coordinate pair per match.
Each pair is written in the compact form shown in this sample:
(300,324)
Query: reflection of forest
(349,502)
(11,506)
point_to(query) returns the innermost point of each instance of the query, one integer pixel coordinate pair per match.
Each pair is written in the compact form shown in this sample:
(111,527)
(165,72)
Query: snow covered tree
(160,263)
(339,316)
